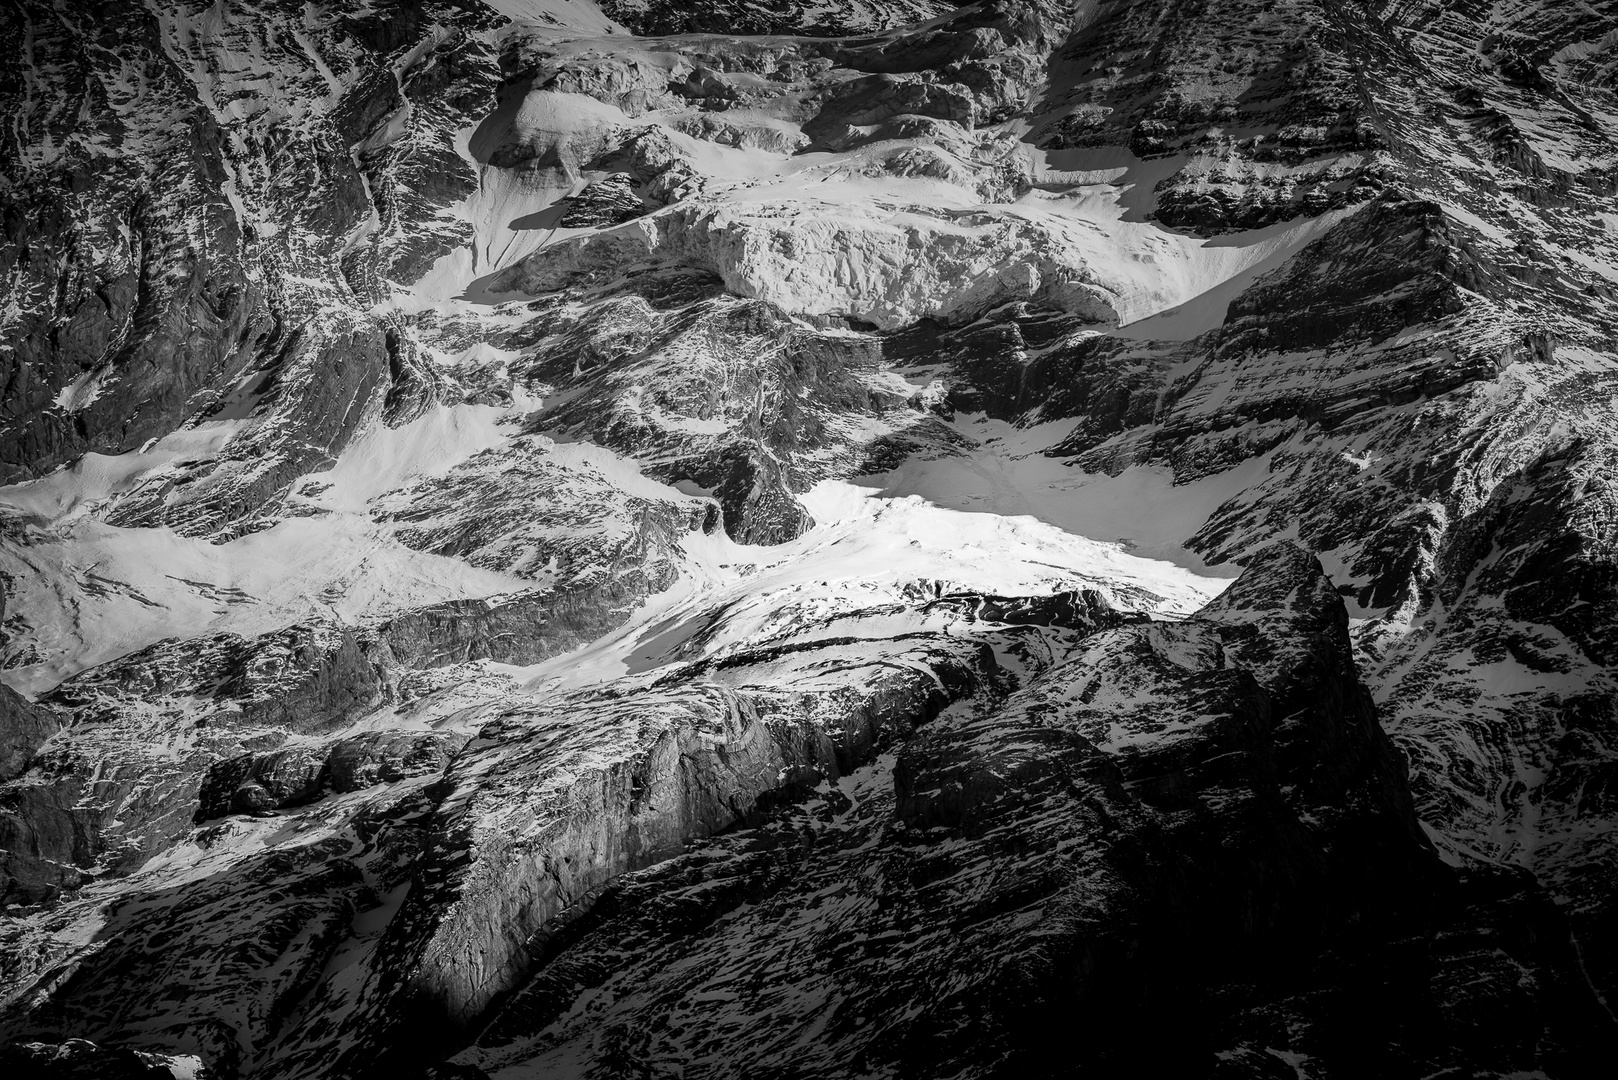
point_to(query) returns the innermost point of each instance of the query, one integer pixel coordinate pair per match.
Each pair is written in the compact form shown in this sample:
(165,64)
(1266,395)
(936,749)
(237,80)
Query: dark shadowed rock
(80,1058)
(23,727)
(258,783)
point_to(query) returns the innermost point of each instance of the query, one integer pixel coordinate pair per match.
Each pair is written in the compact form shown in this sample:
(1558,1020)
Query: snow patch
(1141,510)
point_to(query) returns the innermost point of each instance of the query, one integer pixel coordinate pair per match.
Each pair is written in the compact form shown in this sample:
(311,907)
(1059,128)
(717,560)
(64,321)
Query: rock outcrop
(293,776)
(23,727)
(1161,818)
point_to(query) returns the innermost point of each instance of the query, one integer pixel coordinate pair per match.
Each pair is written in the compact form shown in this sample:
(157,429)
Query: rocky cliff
(766,538)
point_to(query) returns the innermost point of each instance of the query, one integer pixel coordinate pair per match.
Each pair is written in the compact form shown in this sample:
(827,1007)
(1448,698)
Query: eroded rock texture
(592,538)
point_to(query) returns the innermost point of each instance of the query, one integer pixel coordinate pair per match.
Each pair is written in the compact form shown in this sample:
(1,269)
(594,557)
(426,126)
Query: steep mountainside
(809,538)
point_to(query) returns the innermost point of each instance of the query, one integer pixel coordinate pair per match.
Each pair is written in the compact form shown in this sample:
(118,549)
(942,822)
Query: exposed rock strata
(1243,731)
(255,783)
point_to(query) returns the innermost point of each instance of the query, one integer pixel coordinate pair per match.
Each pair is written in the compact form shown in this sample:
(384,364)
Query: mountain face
(809,538)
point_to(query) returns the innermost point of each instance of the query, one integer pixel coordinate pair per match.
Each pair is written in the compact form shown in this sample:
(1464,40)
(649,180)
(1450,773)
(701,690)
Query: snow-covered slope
(769,537)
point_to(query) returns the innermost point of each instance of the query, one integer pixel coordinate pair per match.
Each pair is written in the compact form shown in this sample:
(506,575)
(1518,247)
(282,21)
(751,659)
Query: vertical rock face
(754,537)
(1164,820)
(23,725)
(124,260)
(24,728)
